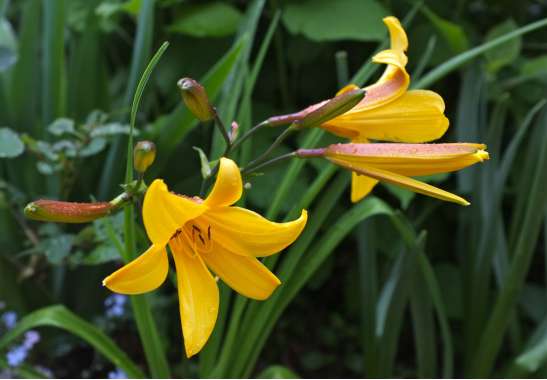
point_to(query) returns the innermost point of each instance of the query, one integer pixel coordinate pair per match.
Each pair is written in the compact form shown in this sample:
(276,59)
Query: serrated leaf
(95,146)
(57,248)
(101,254)
(10,144)
(112,129)
(505,53)
(61,126)
(207,20)
(327,20)
(8,45)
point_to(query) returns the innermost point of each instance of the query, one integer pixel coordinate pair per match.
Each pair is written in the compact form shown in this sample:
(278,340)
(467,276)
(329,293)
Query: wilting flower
(396,163)
(204,234)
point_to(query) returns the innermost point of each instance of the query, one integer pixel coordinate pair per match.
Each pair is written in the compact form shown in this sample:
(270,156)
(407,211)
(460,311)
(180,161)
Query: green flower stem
(251,169)
(248,134)
(153,350)
(260,159)
(222,128)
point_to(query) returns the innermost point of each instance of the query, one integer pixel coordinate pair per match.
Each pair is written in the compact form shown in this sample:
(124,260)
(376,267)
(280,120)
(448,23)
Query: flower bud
(143,155)
(196,99)
(332,108)
(66,212)
(234,131)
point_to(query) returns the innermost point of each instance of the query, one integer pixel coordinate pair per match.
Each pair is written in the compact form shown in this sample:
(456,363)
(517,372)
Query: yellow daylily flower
(396,163)
(202,235)
(389,111)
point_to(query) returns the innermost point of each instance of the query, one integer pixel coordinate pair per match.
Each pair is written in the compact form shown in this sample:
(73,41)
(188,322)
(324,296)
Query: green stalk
(146,325)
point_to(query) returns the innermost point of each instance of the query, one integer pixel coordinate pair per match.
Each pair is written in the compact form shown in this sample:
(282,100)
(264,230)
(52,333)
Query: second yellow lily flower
(389,111)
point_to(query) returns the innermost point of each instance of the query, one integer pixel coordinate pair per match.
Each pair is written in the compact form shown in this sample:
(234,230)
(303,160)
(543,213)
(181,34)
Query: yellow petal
(198,296)
(417,116)
(228,186)
(403,181)
(410,159)
(247,233)
(398,38)
(246,275)
(164,212)
(144,274)
(361,185)
(347,88)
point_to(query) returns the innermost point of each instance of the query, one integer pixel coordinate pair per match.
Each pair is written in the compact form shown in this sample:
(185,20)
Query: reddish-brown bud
(66,212)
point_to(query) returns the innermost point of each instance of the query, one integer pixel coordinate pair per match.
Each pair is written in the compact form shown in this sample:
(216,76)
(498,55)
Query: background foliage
(427,289)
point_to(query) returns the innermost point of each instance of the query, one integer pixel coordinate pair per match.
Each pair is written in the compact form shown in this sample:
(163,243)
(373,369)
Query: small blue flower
(31,338)
(115,305)
(16,356)
(10,319)
(117,374)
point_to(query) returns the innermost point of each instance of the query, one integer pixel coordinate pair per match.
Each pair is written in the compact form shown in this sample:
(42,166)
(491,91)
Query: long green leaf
(142,49)
(60,317)
(321,250)
(461,59)
(53,68)
(533,202)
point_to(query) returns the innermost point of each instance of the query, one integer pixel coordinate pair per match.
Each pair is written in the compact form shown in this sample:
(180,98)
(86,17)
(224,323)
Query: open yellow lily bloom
(396,163)
(389,112)
(204,234)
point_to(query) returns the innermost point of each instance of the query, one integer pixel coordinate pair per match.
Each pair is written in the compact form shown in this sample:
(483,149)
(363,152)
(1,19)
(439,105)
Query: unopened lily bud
(234,131)
(332,108)
(196,99)
(143,155)
(66,212)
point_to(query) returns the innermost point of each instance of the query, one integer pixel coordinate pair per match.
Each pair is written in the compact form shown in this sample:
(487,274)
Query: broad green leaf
(505,53)
(327,20)
(535,67)
(452,33)
(60,317)
(10,144)
(217,19)
(278,372)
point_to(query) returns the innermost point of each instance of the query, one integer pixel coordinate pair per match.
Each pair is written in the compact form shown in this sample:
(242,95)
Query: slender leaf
(60,317)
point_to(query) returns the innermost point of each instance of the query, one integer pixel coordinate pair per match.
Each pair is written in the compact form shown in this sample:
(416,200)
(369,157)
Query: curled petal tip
(482,155)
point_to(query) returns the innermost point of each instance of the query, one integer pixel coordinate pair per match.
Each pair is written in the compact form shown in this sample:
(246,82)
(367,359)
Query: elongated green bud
(66,212)
(143,155)
(196,99)
(332,108)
